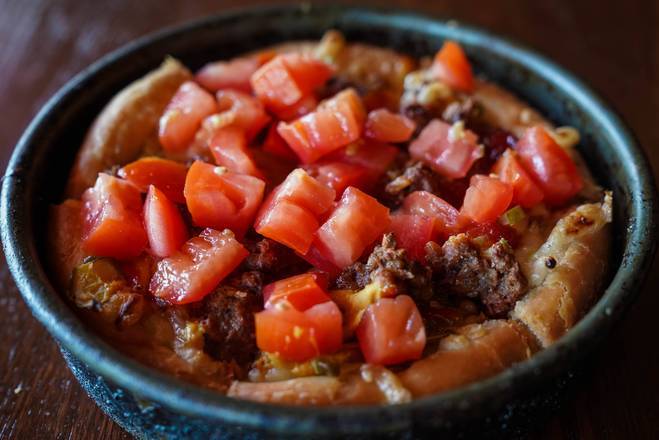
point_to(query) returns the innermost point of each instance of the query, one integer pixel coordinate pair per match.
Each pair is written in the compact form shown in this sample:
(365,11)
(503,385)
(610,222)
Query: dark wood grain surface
(614,46)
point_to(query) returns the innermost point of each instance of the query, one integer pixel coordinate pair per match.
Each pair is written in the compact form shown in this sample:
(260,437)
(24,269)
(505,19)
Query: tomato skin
(525,191)
(229,148)
(112,219)
(412,232)
(238,109)
(385,126)
(166,175)
(338,175)
(198,267)
(303,107)
(391,331)
(292,212)
(356,222)
(220,199)
(276,145)
(300,291)
(452,66)
(446,218)
(550,166)
(165,227)
(334,124)
(299,336)
(232,74)
(183,116)
(374,156)
(450,155)
(287,78)
(486,199)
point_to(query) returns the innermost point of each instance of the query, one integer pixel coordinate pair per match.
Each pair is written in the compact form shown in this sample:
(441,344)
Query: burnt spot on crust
(493,276)
(390,267)
(578,223)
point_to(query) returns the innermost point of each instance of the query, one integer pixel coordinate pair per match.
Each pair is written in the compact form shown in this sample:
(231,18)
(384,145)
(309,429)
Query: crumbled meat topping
(492,276)
(389,267)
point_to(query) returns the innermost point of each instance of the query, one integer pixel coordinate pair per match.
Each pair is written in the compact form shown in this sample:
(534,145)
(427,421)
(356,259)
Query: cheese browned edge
(123,128)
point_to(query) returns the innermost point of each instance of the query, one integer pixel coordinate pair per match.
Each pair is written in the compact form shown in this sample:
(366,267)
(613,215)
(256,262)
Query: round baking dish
(148,403)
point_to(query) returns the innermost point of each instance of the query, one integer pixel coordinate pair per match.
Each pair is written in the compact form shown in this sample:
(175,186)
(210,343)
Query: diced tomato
(232,74)
(292,212)
(486,198)
(385,126)
(217,198)
(422,203)
(412,232)
(525,191)
(166,175)
(194,271)
(353,226)
(450,150)
(299,336)
(287,78)
(303,107)
(339,175)
(375,156)
(229,148)
(276,145)
(550,166)
(112,219)
(452,66)
(300,291)
(183,116)
(486,234)
(320,262)
(334,124)
(165,228)
(238,109)
(391,331)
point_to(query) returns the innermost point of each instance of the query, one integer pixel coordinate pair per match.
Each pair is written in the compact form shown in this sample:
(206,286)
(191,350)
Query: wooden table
(614,47)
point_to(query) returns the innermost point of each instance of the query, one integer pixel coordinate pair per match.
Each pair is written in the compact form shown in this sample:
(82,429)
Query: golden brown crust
(578,249)
(476,352)
(64,246)
(125,125)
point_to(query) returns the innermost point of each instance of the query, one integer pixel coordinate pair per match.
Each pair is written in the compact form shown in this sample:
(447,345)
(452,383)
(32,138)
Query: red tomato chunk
(300,335)
(300,292)
(286,79)
(217,198)
(550,166)
(385,126)
(446,218)
(275,144)
(183,116)
(112,214)
(232,74)
(229,148)
(452,66)
(334,124)
(166,175)
(412,232)
(450,150)
(200,265)
(353,226)
(164,225)
(486,199)
(291,214)
(525,191)
(239,109)
(391,331)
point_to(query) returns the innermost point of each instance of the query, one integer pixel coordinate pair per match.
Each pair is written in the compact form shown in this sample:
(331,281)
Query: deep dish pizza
(324,223)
